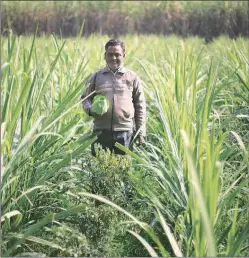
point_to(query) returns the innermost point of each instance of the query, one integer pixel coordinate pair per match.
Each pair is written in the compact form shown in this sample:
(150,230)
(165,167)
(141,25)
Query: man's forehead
(112,49)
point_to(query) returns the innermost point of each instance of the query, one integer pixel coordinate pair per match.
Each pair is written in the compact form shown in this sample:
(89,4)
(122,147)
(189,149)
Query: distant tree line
(208,23)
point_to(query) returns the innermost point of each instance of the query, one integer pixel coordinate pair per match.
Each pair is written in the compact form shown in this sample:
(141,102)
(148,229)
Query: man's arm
(87,102)
(140,108)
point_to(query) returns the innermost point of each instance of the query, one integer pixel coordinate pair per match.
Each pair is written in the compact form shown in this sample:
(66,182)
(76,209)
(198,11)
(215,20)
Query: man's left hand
(141,140)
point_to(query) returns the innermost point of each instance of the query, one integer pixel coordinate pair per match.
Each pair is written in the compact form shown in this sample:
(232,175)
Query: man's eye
(111,55)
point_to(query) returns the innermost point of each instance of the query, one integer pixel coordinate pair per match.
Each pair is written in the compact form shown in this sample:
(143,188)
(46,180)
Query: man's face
(114,57)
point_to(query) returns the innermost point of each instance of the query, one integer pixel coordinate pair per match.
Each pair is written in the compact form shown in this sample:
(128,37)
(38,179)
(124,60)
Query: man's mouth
(113,64)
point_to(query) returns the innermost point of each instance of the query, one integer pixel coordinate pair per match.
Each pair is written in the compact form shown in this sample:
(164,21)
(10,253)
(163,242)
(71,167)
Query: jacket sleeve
(139,106)
(90,87)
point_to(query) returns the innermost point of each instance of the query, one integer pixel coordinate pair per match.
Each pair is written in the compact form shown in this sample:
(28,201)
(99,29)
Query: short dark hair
(115,42)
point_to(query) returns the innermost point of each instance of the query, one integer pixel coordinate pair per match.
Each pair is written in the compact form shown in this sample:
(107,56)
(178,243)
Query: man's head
(114,53)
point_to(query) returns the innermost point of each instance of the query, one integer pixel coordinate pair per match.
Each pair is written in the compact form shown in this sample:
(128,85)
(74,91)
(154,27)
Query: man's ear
(124,55)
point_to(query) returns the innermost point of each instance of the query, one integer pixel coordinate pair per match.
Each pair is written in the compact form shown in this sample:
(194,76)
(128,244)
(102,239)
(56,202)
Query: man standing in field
(122,88)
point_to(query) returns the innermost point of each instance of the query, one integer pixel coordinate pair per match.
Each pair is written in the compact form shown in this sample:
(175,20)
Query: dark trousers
(107,139)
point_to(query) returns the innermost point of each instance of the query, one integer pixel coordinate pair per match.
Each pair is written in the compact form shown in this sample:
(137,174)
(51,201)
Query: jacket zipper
(114,83)
(112,113)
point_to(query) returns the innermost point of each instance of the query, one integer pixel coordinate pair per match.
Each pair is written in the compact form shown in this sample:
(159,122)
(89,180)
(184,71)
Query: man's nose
(114,57)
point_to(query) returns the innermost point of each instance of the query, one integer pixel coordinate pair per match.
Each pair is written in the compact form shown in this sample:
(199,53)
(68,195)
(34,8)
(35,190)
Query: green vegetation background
(185,193)
(114,18)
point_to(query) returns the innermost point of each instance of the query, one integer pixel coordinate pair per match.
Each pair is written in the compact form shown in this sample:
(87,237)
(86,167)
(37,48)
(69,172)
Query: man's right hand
(92,113)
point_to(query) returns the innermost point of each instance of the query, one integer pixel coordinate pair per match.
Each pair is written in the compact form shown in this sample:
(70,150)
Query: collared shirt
(124,90)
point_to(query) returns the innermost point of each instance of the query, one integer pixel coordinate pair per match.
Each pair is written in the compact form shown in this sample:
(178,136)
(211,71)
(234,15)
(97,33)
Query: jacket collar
(121,69)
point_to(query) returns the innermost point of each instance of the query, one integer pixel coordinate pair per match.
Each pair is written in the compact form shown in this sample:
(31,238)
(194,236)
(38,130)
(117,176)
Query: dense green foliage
(184,193)
(114,18)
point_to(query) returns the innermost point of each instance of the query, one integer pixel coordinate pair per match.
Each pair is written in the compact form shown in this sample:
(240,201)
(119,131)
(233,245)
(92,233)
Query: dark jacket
(125,93)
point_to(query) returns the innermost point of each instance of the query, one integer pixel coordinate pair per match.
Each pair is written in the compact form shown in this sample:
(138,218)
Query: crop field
(185,193)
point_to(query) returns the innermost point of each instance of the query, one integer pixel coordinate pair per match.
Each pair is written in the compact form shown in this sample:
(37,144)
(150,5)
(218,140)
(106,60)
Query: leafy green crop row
(188,184)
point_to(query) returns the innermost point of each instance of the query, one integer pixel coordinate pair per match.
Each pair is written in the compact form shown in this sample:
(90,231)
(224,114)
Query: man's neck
(114,71)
